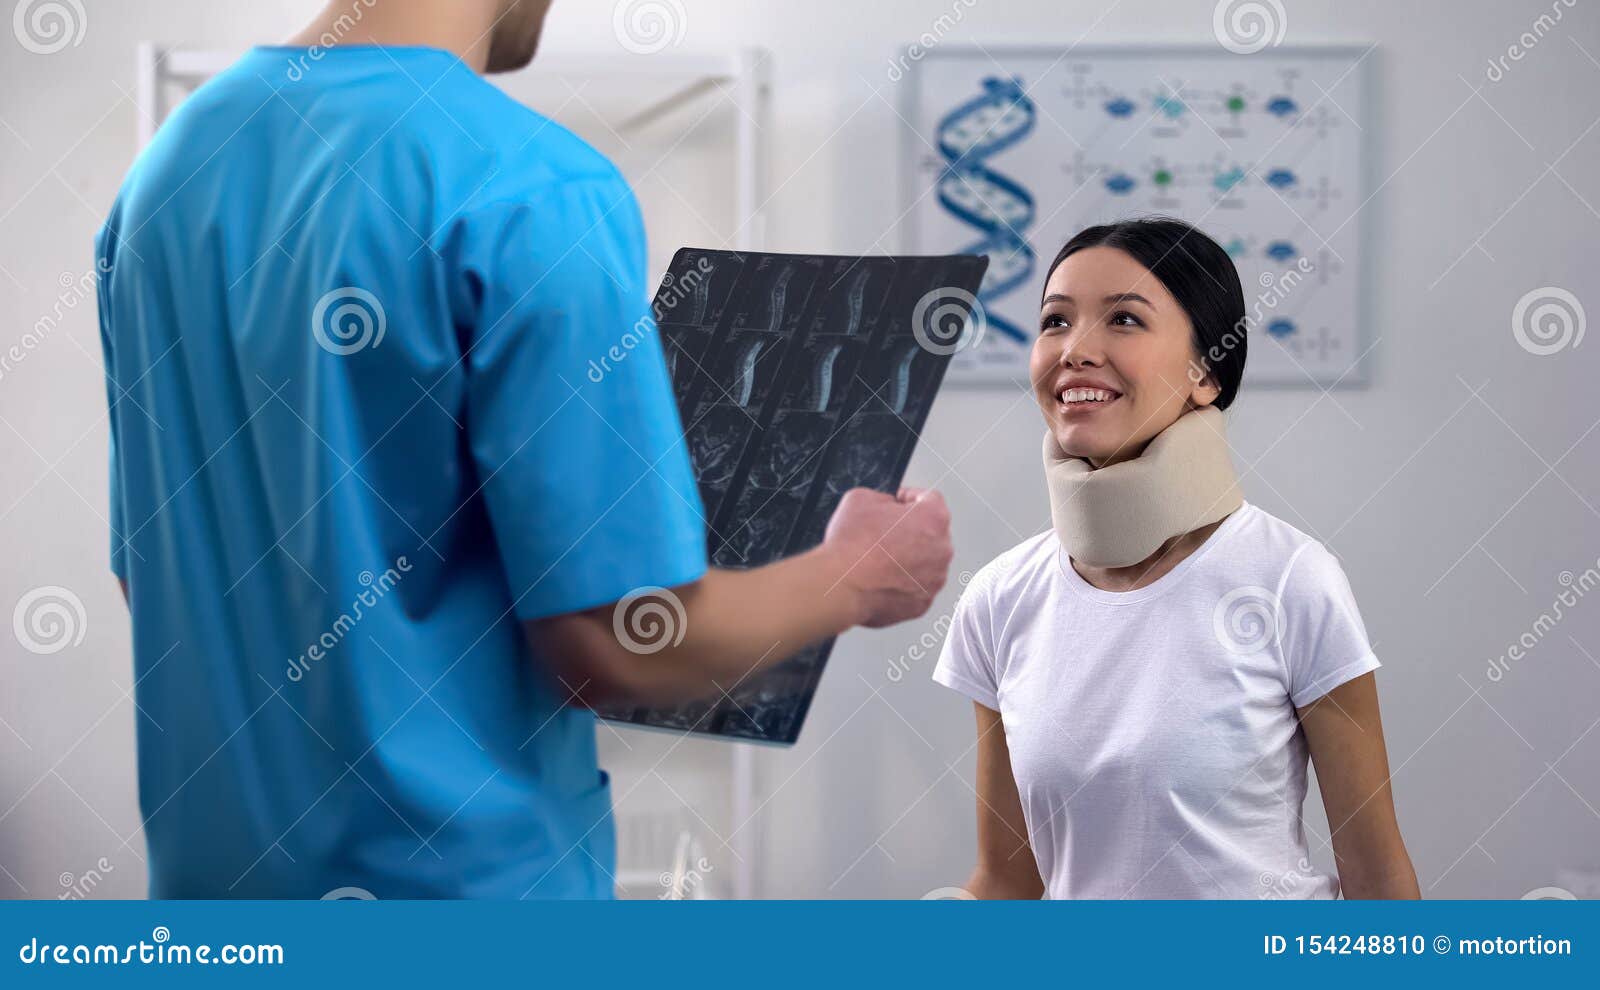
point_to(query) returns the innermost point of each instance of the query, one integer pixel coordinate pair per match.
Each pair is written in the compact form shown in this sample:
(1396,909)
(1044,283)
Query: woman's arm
(1006,869)
(1346,739)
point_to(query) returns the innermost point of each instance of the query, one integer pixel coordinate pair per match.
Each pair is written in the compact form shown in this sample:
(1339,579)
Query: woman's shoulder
(1016,567)
(1277,548)
(1264,531)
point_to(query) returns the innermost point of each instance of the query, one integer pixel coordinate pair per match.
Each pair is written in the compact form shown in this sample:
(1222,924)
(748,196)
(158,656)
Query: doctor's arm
(882,560)
(1346,740)
(1006,868)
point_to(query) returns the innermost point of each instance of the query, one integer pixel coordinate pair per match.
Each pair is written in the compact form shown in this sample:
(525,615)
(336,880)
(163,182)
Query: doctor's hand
(881,561)
(895,551)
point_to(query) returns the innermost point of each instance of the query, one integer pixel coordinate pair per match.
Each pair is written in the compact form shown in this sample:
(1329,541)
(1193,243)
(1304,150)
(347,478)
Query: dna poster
(1009,152)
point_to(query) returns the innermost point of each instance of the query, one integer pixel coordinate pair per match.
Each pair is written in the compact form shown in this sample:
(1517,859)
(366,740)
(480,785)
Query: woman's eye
(1125,320)
(1052,321)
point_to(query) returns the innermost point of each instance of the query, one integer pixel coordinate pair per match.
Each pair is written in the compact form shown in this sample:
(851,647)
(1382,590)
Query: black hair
(1198,273)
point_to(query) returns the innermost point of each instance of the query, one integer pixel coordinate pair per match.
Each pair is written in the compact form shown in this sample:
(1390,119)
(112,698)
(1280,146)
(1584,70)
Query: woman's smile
(1079,401)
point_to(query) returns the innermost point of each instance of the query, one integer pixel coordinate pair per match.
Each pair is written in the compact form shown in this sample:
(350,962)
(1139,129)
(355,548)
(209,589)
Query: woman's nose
(1080,349)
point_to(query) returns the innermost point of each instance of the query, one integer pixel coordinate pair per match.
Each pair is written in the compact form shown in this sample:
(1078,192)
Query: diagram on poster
(1010,152)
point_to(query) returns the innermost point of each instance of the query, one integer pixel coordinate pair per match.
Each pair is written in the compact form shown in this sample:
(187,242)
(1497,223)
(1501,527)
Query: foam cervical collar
(1121,514)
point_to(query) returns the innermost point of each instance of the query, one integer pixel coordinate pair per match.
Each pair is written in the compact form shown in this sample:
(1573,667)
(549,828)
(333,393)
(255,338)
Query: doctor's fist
(895,551)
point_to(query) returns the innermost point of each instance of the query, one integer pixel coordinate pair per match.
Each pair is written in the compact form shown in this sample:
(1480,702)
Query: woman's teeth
(1087,395)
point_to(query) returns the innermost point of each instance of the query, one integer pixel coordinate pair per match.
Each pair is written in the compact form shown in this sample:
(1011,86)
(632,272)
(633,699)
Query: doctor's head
(1141,321)
(515,35)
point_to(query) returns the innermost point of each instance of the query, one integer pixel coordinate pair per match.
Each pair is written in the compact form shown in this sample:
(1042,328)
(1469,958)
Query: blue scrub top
(352,302)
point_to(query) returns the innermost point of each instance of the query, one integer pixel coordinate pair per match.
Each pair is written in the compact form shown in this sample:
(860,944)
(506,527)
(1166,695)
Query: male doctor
(372,517)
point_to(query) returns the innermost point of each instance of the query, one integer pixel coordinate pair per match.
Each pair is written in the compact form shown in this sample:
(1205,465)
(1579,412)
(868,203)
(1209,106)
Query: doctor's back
(347,303)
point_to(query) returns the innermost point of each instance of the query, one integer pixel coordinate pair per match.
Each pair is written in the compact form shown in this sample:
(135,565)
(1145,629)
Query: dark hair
(1198,273)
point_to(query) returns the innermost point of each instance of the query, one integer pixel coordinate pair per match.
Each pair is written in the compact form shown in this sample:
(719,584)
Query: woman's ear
(1204,388)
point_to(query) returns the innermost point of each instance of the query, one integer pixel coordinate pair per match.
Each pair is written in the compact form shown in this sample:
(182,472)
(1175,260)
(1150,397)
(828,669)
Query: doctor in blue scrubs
(372,516)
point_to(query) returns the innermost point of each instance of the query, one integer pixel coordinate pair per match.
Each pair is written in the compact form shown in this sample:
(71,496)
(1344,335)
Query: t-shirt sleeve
(1321,635)
(571,418)
(966,662)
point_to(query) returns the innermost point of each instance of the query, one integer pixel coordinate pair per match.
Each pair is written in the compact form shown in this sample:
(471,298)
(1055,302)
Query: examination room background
(1457,488)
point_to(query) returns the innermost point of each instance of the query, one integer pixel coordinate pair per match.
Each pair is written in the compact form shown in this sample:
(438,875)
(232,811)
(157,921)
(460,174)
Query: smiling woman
(1163,294)
(1163,661)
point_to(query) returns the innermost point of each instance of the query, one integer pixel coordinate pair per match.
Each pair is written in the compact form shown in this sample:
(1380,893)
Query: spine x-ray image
(798,377)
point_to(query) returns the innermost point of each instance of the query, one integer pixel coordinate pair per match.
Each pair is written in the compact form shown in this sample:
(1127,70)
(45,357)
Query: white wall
(1456,489)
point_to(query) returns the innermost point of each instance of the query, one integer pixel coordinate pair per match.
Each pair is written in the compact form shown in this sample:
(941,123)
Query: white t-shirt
(1153,733)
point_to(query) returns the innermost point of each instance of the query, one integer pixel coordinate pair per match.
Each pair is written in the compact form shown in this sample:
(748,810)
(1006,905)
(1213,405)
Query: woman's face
(1107,322)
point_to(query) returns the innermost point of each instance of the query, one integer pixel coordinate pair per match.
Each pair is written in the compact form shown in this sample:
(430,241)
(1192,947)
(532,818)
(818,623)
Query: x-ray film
(798,377)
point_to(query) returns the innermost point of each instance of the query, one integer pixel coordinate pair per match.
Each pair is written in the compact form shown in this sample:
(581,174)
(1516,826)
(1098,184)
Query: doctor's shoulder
(520,151)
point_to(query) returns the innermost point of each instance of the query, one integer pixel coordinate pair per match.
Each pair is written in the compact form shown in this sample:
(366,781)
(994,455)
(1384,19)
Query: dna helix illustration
(993,203)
